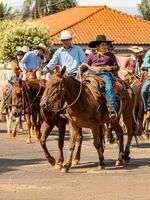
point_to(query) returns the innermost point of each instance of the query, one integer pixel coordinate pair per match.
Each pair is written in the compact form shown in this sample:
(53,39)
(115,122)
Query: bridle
(60,91)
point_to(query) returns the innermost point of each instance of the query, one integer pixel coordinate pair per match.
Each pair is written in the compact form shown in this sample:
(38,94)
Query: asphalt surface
(25,173)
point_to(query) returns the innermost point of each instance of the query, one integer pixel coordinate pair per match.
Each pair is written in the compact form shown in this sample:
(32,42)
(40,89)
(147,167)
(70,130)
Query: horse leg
(15,127)
(9,122)
(45,130)
(109,136)
(20,124)
(130,126)
(79,139)
(98,143)
(73,134)
(62,129)
(28,120)
(119,133)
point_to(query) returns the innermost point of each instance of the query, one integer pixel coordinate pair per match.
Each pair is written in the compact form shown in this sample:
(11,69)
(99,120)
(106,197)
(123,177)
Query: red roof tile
(89,21)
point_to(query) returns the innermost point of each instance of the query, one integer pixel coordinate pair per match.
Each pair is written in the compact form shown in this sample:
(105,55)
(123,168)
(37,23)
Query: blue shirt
(30,61)
(146,63)
(71,58)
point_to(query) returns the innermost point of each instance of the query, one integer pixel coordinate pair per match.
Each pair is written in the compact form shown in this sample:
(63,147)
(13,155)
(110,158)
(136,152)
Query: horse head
(19,103)
(53,96)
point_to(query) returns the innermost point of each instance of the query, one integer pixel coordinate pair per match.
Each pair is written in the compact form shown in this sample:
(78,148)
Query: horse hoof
(13,134)
(75,162)
(65,170)
(52,161)
(9,132)
(58,166)
(101,167)
(126,162)
(119,163)
(28,141)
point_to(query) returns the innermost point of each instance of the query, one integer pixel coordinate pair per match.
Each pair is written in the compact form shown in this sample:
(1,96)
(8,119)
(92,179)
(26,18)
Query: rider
(68,55)
(133,64)
(104,64)
(15,75)
(32,59)
(145,88)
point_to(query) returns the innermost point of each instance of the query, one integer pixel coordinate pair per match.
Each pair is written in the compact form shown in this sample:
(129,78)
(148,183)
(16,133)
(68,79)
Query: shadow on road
(110,164)
(7,165)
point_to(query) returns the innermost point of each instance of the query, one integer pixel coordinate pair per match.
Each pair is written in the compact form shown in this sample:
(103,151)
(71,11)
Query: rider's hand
(84,66)
(107,68)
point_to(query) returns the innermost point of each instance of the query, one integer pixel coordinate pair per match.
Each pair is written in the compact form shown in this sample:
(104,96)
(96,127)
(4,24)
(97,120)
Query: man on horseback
(68,55)
(32,59)
(146,86)
(104,64)
(133,64)
(15,75)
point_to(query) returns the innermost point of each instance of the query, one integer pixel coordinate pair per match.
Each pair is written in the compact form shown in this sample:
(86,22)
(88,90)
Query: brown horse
(84,111)
(26,99)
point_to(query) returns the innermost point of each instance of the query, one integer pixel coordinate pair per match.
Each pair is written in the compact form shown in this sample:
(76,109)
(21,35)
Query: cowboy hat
(41,46)
(99,39)
(65,35)
(88,51)
(136,49)
(25,49)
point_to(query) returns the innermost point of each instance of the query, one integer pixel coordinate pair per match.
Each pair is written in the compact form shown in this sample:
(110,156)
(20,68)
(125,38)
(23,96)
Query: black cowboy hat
(99,39)
(20,52)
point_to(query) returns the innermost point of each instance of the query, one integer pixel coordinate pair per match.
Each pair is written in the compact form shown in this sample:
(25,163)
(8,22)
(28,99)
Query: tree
(45,7)
(14,33)
(4,10)
(144,8)
(55,6)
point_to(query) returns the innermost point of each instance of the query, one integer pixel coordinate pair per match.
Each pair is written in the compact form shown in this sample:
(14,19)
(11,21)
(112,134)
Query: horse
(26,98)
(84,111)
(11,130)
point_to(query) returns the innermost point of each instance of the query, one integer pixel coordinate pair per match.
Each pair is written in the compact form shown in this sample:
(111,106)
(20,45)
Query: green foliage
(144,8)
(18,33)
(45,7)
(4,10)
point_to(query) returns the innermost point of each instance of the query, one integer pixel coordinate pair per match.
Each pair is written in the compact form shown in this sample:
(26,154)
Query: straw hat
(136,49)
(25,49)
(65,35)
(41,46)
(88,51)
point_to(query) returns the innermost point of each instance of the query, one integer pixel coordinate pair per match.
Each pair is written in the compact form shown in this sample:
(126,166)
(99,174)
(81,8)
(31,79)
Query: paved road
(26,174)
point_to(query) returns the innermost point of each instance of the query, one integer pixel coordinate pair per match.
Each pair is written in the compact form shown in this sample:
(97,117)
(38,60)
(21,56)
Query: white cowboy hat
(88,51)
(25,49)
(65,35)
(136,49)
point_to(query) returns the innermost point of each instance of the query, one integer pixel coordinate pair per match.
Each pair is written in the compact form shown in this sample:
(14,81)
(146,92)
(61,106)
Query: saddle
(96,85)
(133,81)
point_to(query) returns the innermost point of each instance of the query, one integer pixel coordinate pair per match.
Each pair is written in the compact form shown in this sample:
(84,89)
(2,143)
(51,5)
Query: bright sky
(111,3)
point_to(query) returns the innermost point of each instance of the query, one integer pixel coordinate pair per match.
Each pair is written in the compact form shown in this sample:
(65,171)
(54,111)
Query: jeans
(9,90)
(144,93)
(107,77)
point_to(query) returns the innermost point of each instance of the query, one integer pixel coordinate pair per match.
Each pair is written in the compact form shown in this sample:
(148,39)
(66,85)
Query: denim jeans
(107,77)
(144,93)
(9,90)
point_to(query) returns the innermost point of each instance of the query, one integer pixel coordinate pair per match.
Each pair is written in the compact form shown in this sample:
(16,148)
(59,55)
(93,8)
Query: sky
(129,6)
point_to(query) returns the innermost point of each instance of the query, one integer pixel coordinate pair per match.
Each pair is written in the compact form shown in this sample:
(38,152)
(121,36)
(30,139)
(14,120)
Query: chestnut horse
(26,98)
(84,111)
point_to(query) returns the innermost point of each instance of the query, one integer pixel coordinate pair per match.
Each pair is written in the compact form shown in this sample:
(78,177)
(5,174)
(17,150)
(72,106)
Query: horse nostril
(16,114)
(44,105)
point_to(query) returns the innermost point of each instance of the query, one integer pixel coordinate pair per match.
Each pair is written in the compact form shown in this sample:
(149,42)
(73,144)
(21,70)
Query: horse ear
(51,71)
(63,71)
